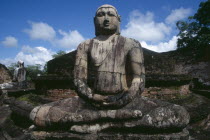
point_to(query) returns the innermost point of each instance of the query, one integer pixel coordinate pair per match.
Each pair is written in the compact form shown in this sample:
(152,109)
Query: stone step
(42,135)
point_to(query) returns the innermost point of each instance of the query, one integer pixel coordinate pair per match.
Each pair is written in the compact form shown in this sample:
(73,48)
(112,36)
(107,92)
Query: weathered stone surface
(8,131)
(22,108)
(167,93)
(4,115)
(56,66)
(204,124)
(109,77)
(197,106)
(201,129)
(5,75)
(41,135)
(152,114)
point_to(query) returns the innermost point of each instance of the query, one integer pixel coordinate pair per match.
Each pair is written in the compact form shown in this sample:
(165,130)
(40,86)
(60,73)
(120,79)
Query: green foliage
(33,71)
(45,69)
(195,33)
(31,98)
(58,54)
(12,67)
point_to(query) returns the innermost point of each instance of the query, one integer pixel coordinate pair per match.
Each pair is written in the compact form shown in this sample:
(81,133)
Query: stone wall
(167,93)
(63,65)
(5,75)
(177,63)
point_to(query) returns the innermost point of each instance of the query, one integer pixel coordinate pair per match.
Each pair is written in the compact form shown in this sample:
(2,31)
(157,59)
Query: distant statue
(19,78)
(19,72)
(109,77)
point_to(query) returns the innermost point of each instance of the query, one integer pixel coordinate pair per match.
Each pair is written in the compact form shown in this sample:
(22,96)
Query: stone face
(107,26)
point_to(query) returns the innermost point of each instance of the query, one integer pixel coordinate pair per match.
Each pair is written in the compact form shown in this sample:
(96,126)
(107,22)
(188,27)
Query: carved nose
(106,22)
(106,18)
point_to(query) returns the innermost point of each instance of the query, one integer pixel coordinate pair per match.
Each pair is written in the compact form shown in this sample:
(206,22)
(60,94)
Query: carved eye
(100,14)
(111,14)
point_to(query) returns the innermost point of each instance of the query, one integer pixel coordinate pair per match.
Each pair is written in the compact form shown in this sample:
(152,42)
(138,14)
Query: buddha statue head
(107,20)
(20,64)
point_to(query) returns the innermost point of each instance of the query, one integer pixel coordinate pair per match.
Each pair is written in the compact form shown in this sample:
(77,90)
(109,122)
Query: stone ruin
(19,78)
(16,83)
(5,75)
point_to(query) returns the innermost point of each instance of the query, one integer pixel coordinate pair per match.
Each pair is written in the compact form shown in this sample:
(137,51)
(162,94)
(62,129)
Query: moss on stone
(29,98)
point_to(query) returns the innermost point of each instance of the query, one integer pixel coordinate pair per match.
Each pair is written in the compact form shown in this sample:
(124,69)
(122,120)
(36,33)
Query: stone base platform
(42,135)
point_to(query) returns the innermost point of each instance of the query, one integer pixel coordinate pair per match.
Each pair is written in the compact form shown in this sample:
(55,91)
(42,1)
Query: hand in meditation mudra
(109,77)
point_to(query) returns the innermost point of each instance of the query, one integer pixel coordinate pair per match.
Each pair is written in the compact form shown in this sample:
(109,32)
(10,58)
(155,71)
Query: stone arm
(138,82)
(138,70)
(80,76)
(80,73)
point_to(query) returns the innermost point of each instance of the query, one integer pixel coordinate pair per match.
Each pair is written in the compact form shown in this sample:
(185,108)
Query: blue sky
(33,30)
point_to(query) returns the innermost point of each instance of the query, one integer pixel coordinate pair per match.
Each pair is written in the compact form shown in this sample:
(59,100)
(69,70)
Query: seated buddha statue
(109,77)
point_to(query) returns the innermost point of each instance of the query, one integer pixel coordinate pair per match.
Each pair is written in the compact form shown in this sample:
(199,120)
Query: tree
(45,69)
(12,67)
(195,33)
(58,54)
(33,71)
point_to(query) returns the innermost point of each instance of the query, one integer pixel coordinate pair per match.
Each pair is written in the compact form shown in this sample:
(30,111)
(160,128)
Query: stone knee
(171,116)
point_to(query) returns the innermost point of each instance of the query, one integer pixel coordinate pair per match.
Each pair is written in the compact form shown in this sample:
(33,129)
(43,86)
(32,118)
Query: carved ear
(96,30)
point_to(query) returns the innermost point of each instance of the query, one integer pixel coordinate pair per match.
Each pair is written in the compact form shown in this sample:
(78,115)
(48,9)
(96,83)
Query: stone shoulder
(84,45)
(86,42)
(131,43)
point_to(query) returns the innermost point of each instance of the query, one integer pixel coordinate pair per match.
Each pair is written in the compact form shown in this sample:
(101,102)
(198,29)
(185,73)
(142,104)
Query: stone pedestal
(42,135)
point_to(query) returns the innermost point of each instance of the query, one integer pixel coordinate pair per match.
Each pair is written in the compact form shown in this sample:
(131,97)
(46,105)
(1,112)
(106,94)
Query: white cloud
(143,27)
(37,55)
(153,35)
(10,41)
(70,39)
(7,61)
(43,31)
(40,30)
(162,46)
(31,56)
(178,14)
